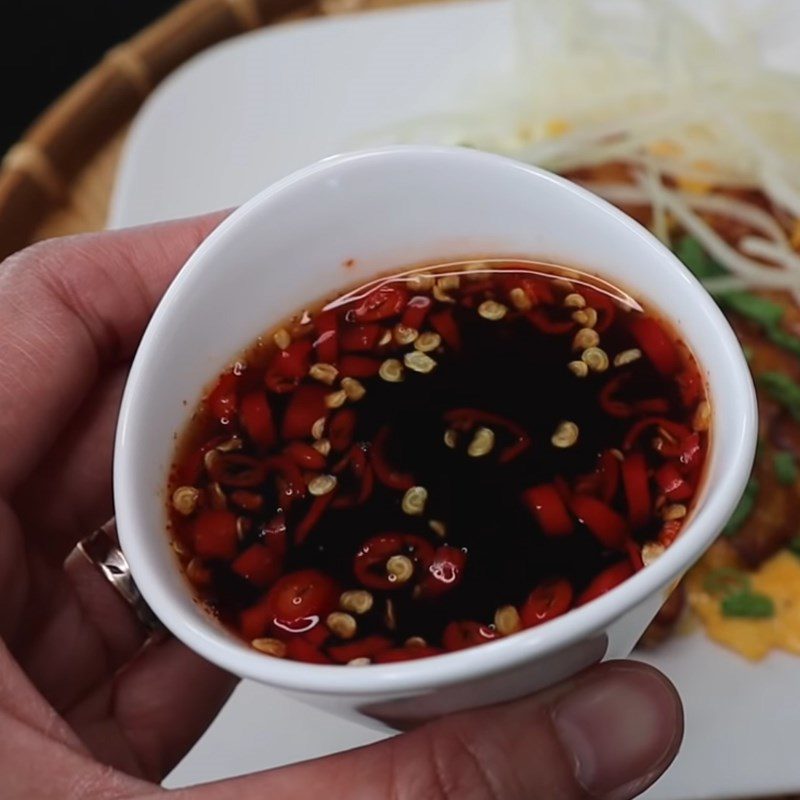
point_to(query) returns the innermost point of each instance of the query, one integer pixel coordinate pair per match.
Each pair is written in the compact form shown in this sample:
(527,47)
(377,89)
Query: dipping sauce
(437,459)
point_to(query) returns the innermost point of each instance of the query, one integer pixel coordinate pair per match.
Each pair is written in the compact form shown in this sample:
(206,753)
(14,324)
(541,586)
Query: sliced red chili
(301,596)
(258,564)
(305,407)
(550,599)
(358,367)
(369,564)
(317,635)
(416,311)
(445,572)
(194,466)
(604,582)
(608,398)
(279,384)
(651,405)
(467,417)
(249,501)
(459,635)
(305,456)
(634,555)
(444,323)
(316,511)
(254,621)
(234,469)
(368,647)
(674,429)
(656,344)
(605,524)
(255,415)
(291,484)
(342,429)
(294,361)
(406,654)
(672,483)
(300,649)
(361,338)
(603,304)
(384,472)
(637,489)
(547,506)
(669,532)
(273,534)
(542,320)
(386,301)
(222,401)
(214,534)
(327,342)
(691,451)
(608,470)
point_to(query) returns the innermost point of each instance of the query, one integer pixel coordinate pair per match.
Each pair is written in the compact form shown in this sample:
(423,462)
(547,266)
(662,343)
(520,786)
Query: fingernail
(621,725)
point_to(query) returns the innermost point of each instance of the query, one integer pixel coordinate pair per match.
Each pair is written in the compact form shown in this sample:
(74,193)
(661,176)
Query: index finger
(69,309)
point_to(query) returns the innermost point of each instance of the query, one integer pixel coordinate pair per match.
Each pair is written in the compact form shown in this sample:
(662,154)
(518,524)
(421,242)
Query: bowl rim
(221,648)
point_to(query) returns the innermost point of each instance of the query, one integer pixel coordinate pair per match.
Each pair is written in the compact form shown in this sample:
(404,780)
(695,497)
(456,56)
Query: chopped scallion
(726,581)
(743,509)
(785,466)
(783,390)
(749,605)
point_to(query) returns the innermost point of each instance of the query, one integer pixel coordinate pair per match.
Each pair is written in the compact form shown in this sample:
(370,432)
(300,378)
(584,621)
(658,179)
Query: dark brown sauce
(506,367)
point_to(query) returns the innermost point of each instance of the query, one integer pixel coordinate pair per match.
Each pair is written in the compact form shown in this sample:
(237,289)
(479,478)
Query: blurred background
(54,43)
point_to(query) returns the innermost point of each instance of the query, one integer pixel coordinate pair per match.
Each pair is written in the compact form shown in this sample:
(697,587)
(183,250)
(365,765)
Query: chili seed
(575,300)
(386,337)
(673,511)
(563,283)
(405,335)
(427,341)
(399,569)
(617,454)
(318,428)
(322,446)
(419,362)
(438,527)
(325,373)
(448,282)
(451,438)
(585,338)
(651,552)
(578,368)
(423,282)
(361,661)
(492,310)
(230,445)
(322,484)
(702,416)
(353,389)
(216,497)
(506,620)
(179,548)
(391,370)
(586,317)
(197,573)
(272,647)
(336,399)
(282,338)
(242,527)
(627,357)
(389,618)
(342,625)
(595,358)
(482,443)
(184,499)
(414,500)
(356,601)
(519,299)
(415,641)
(209,459)
(566,435)
(441,294)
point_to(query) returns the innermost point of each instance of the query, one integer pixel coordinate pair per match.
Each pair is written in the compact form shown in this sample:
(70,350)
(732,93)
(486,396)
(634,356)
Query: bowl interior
(377,211)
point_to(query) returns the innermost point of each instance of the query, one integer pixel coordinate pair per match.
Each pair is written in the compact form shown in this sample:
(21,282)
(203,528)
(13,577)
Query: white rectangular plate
(250,111)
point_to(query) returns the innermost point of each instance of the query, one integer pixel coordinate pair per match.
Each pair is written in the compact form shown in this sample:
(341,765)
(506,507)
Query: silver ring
(100,550)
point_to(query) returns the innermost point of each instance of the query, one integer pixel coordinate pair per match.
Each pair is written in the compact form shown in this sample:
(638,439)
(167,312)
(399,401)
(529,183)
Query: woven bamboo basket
(58,178)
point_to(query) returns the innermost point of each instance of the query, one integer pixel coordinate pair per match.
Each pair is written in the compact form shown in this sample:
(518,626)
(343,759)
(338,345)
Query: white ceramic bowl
(386,209)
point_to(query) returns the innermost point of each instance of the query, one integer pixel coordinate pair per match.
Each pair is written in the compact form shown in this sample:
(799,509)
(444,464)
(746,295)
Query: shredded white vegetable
(693,107)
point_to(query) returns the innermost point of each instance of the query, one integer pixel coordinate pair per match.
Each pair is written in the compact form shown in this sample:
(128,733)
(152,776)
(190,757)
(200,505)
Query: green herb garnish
(783,390)
(697,260)
(794,546)
(726,581)
(785,466)
(743,509)
(749,605)
(784,339)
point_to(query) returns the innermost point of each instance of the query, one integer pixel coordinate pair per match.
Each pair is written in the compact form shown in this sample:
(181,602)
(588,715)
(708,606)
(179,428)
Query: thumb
(607,733)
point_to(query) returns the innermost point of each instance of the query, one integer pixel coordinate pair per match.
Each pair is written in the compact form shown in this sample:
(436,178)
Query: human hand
(88,708)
